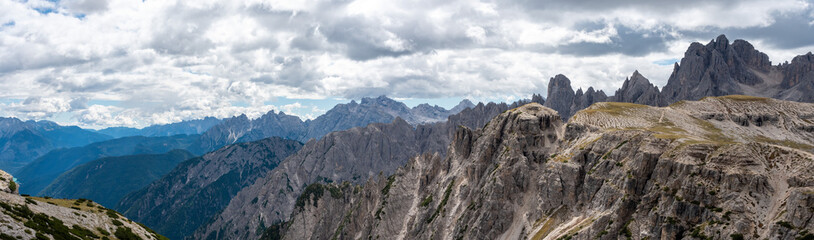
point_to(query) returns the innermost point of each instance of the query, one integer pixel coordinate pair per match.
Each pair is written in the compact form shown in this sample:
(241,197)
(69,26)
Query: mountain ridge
(718,68)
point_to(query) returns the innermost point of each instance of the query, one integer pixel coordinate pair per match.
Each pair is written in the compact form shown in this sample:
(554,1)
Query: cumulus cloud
(164,61)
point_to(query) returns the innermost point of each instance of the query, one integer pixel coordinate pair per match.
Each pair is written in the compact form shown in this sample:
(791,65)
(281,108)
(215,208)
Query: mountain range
(51,160)
(234,168)
(23,141)
(707,169)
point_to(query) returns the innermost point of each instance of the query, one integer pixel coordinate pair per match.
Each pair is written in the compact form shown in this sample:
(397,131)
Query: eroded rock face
(354,155)
(671,174)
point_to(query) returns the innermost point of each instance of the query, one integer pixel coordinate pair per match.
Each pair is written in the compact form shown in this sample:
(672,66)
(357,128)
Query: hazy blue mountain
(23,141)
(106,180)
(41,172)
(196,126)
(119,132)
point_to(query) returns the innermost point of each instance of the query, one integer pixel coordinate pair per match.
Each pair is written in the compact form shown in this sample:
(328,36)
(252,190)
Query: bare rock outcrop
(50,218)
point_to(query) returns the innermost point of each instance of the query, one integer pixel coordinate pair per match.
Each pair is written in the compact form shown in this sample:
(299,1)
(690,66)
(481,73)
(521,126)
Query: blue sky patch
(666,62)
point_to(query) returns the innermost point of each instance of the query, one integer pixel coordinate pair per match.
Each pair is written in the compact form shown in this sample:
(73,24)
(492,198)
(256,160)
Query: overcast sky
(99,63)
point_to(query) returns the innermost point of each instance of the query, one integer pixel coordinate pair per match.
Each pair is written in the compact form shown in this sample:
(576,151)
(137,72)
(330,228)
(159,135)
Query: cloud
(164,61)
(85,6)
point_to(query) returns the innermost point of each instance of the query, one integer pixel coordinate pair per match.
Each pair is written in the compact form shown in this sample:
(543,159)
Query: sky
(102,63)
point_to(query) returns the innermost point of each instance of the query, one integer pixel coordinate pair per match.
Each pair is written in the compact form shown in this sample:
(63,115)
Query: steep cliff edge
(722,167)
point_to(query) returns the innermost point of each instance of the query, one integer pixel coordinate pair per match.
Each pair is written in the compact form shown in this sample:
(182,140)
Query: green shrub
(41,236)
(426,201)
(736,236)
(312,193)
(12,186)
(112,214)
(390,180)
(443,201)
(4,236)
(103,231)
(804,235)
(126,234)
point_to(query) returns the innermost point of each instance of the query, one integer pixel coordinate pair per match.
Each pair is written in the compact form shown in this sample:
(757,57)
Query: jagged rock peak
(464,104)
(559,81)
(537,98)
(720,43)
(382,100)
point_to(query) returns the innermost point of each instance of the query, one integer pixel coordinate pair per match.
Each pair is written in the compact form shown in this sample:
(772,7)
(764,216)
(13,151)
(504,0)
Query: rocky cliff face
(197,189)
(49,218)
(720,68)
(721,168)
(354,155)
(560,95)
(715,69)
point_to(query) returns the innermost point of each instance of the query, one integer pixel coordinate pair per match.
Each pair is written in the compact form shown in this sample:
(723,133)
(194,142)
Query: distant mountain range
(340,117)
(188,127)
(715,69)
(23,141)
